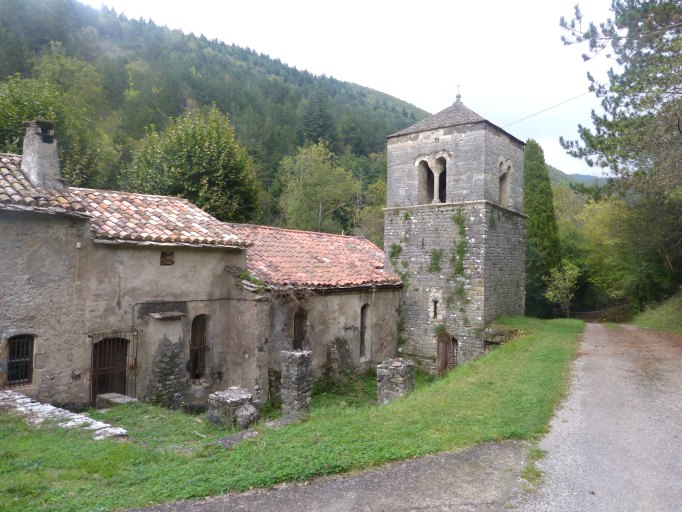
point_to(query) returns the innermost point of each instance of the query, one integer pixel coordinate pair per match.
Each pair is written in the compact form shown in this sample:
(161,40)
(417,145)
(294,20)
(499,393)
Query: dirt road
(616,444)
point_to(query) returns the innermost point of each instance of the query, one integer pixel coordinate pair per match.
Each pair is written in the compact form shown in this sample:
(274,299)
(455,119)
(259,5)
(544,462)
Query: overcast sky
(507,55)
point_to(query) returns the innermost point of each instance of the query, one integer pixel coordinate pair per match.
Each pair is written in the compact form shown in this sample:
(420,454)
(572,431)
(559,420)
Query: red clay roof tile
(304,259)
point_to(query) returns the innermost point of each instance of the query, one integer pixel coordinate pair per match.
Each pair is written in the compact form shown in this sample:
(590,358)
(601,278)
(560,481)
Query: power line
(548,108)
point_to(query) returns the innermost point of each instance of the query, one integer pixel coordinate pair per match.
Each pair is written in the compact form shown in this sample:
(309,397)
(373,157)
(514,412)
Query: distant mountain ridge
(560,178)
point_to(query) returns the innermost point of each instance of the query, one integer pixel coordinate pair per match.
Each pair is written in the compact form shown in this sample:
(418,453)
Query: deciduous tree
(197,157)
(315,188)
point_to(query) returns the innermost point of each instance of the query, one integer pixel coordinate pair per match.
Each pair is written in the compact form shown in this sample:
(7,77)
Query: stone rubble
(36,413)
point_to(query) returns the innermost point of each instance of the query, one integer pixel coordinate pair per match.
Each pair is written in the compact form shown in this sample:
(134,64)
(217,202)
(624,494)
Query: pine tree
(543,251)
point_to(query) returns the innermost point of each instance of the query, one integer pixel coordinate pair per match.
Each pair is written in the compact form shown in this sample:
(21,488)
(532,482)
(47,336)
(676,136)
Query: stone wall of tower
(461,264)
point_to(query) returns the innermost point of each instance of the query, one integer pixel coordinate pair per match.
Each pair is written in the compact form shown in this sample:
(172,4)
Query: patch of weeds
(394,253)
(434,263)
(406,216)
(347,391)
(272,408)
(613,326)
(531,473)
(249,277)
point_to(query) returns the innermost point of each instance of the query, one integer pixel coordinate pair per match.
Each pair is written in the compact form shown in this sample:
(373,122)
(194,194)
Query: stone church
(454,231)
(106,291)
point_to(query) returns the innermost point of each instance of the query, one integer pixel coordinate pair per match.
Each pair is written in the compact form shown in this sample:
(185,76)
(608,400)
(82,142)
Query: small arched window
(300,319)
(425,183)
(197,347)
(20,360)
(441,168)
(505,170)
(364,331)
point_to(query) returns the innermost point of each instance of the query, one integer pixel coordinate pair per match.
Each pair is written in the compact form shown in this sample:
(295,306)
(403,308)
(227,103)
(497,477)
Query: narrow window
(442,179)
(435,308)
(20,361)
(425,183)
(505,172)
(364,312)
(299,329)
(197,347)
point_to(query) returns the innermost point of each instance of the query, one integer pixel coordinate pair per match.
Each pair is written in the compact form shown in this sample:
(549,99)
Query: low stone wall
(395,378)
(297,382)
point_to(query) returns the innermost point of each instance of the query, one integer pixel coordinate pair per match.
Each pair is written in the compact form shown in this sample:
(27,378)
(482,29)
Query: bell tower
(454,231)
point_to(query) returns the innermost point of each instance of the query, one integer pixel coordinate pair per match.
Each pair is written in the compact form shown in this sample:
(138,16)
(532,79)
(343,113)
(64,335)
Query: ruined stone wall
(337,315)
(42,279)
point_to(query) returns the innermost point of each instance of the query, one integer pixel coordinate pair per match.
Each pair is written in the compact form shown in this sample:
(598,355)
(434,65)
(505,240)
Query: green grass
(666,316)
(509,393)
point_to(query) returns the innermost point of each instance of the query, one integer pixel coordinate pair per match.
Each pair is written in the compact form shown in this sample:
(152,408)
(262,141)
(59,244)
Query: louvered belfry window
(20,360)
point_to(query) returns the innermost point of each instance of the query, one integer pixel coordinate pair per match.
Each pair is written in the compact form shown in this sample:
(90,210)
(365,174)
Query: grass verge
(666,316)
(509,393)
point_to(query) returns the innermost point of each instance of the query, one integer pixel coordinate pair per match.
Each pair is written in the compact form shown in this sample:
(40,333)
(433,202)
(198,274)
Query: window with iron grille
(197,347)
(20,360)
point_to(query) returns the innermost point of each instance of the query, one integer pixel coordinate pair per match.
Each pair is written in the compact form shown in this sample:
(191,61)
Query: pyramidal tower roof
(456,114)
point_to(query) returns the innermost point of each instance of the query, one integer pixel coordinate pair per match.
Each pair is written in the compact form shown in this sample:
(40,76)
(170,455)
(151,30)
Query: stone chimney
(40,162)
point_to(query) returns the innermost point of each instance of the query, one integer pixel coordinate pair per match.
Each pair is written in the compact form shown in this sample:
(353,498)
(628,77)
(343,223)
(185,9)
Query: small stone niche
(234,407)
(297,382)
(395,378)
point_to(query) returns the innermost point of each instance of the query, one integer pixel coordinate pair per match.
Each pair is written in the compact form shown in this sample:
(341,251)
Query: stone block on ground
(297,382)
(106,400)
(395,378)
(233,407)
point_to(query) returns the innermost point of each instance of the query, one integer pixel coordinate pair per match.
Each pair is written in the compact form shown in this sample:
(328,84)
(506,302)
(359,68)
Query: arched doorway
(109,367)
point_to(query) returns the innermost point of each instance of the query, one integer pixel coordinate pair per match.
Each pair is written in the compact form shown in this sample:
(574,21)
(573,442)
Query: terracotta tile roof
(17,192)
(125,216)
(302,259)
(117,216)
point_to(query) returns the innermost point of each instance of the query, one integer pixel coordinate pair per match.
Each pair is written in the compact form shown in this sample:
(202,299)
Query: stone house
(454,231)
(150,296)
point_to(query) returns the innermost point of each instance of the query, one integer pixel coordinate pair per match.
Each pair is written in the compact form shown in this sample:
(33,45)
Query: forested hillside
(107,80)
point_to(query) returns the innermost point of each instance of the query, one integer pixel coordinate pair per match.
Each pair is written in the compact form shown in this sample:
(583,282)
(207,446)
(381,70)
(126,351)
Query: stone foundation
(395,378)
(297,382)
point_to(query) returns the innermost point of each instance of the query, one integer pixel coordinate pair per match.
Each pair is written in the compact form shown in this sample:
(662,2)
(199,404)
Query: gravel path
(616,444)
(484,478)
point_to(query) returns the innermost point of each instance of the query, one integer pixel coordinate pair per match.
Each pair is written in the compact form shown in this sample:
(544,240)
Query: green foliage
(149,74)
(638,140)
(369,218)
(561,284)
(665,316)
(638,135)
(316,191)
(394,253)
(197,157)
(434,262)
(349,391)
(79,150)
(627,245)
(542,239)
(508,394)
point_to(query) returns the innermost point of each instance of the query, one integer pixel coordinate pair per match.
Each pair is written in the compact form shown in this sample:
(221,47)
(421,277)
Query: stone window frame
(432,185)
(21,364)
(505,170)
